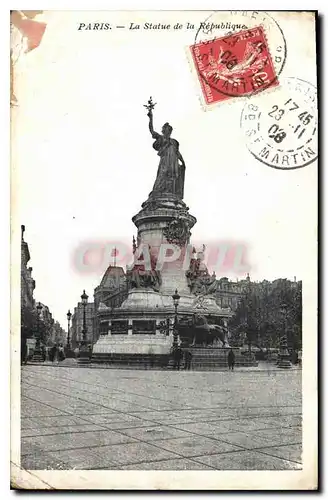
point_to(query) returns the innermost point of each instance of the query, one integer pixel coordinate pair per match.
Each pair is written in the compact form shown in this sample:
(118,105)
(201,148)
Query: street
(93,418)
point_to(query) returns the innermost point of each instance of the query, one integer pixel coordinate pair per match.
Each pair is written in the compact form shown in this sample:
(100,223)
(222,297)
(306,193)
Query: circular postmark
(238,53)
(280,127)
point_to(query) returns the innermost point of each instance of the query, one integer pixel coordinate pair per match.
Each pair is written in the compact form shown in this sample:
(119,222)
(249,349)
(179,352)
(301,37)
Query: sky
(83,162)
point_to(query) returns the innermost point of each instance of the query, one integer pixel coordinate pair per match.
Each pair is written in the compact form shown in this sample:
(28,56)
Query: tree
(260,317)
(28,322)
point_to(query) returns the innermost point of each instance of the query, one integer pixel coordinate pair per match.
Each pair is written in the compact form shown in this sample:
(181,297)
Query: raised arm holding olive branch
(170,173)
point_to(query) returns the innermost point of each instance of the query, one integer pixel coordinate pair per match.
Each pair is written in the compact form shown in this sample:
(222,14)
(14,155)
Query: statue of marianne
(170,174)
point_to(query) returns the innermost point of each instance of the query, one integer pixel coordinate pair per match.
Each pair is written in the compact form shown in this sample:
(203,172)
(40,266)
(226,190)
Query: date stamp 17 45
(281,127)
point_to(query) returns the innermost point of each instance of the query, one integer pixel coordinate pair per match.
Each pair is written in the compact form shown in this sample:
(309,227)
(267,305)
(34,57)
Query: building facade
(229,293)
(35,321)
(45,314)
(113,282)
(28,312)
(27,281)
(76,333)
(57,334)
(113,290)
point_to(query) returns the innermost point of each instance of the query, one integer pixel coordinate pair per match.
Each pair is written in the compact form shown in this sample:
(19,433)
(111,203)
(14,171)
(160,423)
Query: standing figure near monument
(231,360)
(177,357)
(188,358)
(61,353)
(52,353)
(170,174)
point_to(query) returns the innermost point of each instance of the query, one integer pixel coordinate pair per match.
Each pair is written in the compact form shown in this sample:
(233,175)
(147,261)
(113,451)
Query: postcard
(164,250)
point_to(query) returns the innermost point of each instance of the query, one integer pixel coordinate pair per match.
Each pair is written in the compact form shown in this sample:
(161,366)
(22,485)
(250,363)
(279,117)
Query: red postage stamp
(235,65)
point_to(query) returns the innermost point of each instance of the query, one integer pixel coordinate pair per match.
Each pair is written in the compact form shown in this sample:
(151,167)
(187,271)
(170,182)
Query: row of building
(113,290)
(36,315)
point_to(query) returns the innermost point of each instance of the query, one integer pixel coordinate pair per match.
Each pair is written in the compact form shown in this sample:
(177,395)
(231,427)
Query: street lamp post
(247,318)
(176,298)
(84,357)
(69,315)
(37,354)
(283,358)
(84,298)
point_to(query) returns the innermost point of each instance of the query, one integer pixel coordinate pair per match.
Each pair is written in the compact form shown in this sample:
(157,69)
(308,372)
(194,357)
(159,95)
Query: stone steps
(83,361)
(36,359)
(203,359)
(215,358)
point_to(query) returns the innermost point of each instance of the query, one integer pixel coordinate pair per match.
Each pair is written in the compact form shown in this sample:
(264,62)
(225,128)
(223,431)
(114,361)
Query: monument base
(203,359)
(37,356)
(138,351)
(148,301)
(137,361)
(133,344)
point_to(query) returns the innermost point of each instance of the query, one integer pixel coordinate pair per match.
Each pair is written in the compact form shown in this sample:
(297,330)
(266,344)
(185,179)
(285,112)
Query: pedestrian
(52,353)
(43,352)
(61,354)
(175,357)
(231,359)
(178,354)
(188,358)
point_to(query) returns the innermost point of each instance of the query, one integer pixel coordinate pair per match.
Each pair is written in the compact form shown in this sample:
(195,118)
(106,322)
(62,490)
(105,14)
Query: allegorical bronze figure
(171,169)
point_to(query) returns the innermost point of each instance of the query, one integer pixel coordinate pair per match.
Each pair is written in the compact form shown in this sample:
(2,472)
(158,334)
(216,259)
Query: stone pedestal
(84,354)
(164,227)
(134,344)
(154,223)
(37,356)
(284,359)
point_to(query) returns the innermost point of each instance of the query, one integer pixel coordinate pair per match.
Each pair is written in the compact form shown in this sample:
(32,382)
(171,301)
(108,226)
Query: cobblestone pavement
(88,418)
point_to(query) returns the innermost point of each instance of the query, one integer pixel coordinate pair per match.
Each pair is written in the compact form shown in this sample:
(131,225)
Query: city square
(126,419)
(167,367)
(164,259)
